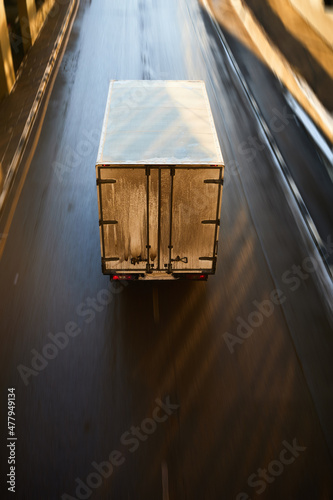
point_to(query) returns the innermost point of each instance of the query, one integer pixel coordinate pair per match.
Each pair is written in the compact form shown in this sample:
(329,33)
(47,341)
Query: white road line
(165,481)
(16,278)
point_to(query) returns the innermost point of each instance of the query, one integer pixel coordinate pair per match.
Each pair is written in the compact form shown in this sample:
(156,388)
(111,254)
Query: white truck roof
(158,122)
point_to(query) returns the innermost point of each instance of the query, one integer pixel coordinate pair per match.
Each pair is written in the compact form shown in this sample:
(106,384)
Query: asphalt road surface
(177,390)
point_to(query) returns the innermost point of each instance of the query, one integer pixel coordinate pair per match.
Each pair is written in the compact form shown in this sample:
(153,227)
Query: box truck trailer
(159,175)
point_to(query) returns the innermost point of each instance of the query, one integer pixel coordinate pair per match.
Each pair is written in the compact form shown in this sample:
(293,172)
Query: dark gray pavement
(261,407)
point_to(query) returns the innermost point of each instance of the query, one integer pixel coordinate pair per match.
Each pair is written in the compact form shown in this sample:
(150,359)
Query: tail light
(192,276)
(117,277)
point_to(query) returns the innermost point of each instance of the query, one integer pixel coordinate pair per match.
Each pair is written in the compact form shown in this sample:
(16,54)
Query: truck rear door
(122,198)
(159,219)
(195,214)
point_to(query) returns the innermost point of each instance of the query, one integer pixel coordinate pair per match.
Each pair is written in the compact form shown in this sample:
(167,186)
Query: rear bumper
(156,276)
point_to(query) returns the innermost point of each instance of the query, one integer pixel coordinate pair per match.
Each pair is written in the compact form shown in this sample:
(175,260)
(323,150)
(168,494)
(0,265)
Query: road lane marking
(16,278)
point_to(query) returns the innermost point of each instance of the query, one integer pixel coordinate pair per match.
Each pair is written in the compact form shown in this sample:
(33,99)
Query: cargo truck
(159,175)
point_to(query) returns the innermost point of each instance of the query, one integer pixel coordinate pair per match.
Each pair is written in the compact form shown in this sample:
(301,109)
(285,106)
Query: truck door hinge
(105,181)
(180,259)
(137,260)
(208,258)
(216,221)
(107,222)
(214,181)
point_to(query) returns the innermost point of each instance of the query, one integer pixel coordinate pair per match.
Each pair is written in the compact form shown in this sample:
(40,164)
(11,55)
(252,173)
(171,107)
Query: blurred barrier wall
(296,85)
(7,75)
(319,17)
(31,22)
